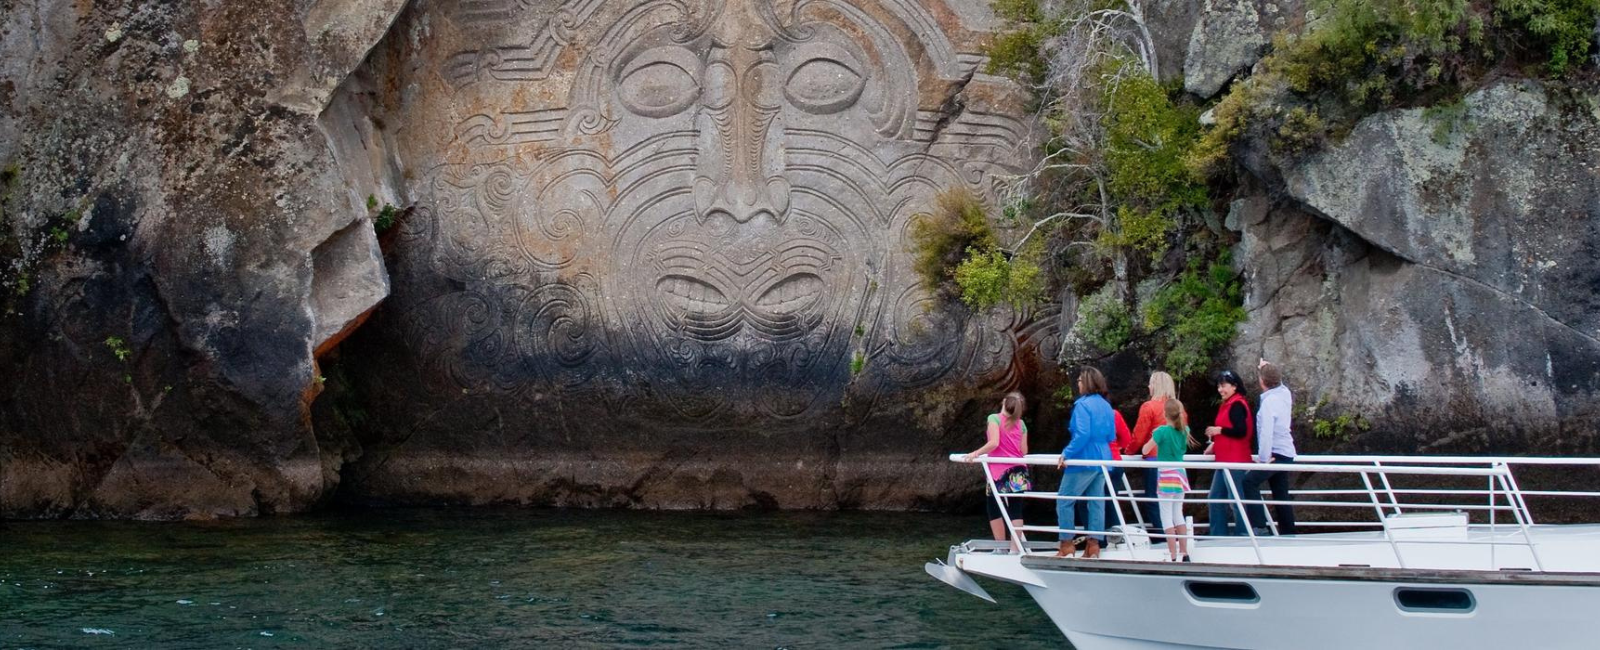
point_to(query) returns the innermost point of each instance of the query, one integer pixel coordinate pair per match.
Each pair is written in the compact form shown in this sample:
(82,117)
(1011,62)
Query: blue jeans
(1082,510)
(1223,514)
(1082,483)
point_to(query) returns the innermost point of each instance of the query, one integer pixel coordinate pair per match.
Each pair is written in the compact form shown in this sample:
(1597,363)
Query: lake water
(491,578)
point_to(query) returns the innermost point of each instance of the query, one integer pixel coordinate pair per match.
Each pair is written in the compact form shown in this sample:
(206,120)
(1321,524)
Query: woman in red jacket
(1232,441)
(1152,414)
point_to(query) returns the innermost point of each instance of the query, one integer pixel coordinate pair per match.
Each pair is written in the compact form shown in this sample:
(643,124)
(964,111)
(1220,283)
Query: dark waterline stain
(491,578)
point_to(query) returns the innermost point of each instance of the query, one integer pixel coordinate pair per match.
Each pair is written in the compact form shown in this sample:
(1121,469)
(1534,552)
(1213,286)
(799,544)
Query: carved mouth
(785,309)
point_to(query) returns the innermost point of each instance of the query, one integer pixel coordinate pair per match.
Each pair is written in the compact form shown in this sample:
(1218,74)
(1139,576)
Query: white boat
(1416,552)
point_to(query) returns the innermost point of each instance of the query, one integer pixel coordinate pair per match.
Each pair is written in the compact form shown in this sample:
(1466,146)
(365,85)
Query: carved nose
(740,199)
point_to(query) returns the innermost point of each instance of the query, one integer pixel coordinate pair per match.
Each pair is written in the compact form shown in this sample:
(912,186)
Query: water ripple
(504,578)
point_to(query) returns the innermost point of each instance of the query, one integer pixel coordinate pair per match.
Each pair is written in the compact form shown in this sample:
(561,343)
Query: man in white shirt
(1274,445)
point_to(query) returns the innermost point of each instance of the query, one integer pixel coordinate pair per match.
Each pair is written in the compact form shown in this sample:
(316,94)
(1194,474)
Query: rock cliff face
(650,253)
(1442,263)
(654,254)
(1230,36)
(179,239)
(1430,275)
(657,254)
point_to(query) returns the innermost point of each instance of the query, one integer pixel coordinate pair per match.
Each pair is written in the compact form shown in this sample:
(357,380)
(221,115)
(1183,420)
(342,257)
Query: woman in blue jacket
(1093,427)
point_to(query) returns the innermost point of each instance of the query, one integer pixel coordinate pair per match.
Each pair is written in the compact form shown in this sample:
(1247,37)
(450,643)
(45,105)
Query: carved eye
(660,82)
(828,80)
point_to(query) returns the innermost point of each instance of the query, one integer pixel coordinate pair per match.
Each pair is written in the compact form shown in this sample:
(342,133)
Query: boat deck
(1408,552)
(1566,549)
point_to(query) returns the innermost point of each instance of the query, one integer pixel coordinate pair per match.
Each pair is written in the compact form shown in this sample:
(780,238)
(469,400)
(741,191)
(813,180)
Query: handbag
(1015,480)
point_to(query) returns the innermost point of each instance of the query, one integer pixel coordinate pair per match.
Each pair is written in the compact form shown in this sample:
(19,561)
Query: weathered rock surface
(178,241)
(1434,273)
(1231,36)
(1170,23)
(652,253)
(657,255)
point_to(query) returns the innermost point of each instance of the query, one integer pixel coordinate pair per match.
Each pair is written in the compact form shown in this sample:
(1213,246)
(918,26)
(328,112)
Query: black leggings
(1015,507)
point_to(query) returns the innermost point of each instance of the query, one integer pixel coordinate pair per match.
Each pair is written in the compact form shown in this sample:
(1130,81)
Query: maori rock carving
(703,203)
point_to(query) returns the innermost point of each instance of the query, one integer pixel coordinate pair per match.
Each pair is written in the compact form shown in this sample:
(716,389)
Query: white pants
(1171,510)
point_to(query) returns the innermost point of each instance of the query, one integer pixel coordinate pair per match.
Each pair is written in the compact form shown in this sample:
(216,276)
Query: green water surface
(491,578)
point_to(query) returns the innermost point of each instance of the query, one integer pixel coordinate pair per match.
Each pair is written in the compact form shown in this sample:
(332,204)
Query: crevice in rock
(348,281)
(1465,279)
(343,33)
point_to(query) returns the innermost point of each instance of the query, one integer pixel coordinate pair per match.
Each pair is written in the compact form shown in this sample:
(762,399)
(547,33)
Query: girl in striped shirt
(1168,443)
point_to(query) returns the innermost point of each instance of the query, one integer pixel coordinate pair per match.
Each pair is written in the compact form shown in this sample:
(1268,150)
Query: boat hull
(1116,610)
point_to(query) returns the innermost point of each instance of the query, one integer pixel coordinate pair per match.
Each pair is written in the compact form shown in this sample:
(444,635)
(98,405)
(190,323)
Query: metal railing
(1383,497)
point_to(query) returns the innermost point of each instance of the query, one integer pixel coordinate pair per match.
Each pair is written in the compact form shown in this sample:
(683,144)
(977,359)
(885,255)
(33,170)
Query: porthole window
(1223,592)
(1435,601)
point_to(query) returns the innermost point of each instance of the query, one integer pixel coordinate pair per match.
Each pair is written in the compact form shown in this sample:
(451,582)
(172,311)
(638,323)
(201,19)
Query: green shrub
(983,276)
(858,362)
(386,218)
(1339,429)
(1197,315)
(1022,11)
(1232,115)
(1025,284)
(1149,139)
(1302,131)
(1364,56)
(118,347)
(1064,395)
(1373,53)
(941,237)
(1562,29)
(1017,52)
(1104,321)
(987,277)
(1139,230)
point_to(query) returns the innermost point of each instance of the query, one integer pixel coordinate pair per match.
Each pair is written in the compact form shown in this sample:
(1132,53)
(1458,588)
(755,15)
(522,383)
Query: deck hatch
(1223,592)
(1435,600)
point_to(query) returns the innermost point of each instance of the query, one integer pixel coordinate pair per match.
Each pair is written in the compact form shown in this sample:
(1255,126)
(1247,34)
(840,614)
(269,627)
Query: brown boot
(1069,548)
(1092,550)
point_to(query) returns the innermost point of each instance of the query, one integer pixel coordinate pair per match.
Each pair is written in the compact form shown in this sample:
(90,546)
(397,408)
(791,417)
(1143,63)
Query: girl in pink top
(1007,438)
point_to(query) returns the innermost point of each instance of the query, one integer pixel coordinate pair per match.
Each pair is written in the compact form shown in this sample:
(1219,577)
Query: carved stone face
(748,258)
(703,203)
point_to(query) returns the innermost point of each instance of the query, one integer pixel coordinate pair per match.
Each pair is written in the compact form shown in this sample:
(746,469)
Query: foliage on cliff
(24,244)
(941,237)
(1363,56)
(1148,137)
(1115,201)
(1196,315)
(957,256)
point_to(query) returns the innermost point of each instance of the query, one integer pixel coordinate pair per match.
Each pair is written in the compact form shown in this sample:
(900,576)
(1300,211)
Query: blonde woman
(1152,414)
